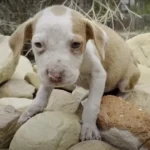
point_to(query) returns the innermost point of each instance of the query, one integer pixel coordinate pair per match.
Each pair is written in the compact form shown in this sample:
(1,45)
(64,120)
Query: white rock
(17,88)
(7,61)
(140,46)
(32,78)
(61,100)
(92,145)
(19,104)
(145,74)
(144,80)
(24,66)
(8,124)
(47,131)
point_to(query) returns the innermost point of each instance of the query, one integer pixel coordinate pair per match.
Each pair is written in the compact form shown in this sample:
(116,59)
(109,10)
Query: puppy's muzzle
(56,77)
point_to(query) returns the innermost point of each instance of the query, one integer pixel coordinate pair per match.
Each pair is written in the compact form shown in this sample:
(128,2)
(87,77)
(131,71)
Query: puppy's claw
(90,132)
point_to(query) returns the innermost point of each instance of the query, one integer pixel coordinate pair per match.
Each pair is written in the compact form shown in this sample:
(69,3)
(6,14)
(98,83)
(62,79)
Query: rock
(17,88)
(140,46)
(8,62)
(35,68)
(19,104)
(24,66)
(131,123)
(61,100)
(32,79)
(92,145)
(8,124)
(144,81)
(48,131)
(140,98)
(145,74)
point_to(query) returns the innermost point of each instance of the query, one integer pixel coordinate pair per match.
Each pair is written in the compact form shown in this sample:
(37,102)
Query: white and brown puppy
(70,49)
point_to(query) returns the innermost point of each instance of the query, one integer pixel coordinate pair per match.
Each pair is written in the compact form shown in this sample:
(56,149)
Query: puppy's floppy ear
(21,34)
(93,31)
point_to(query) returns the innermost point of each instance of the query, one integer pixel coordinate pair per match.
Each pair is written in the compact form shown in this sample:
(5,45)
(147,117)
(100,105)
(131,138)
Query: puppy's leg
(92,105)
(38,105)
(129,80)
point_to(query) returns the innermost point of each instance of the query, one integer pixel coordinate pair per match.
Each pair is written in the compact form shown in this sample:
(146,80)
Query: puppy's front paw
(90,132)
(30,112)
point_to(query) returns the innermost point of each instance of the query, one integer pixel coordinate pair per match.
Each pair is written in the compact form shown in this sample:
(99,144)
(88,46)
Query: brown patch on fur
(58,11)
(78,27)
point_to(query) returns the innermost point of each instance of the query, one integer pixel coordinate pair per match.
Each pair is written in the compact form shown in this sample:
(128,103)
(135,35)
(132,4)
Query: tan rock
(8,125)
(24,66)
(17,88)
(19,104)
(35,68)
(140,46)
(32,79)
(61,100)
(92,145)
(125,116)
(47,131)
(8,62)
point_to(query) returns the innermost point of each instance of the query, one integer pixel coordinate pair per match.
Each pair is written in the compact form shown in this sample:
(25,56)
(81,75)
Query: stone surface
(125,116)
(17,88)
(144,80)
(140,98)
(48,131)
(24,66)
(61,100)
(140,46)
(92,145)
(35,68)
(145,74)
(8,62)
(19,104)
(8,124)
(33,79)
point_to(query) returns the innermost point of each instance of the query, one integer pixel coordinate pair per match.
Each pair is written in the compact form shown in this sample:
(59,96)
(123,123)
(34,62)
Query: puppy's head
(59,36)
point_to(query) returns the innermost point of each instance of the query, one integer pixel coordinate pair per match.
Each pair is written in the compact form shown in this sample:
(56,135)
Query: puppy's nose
(55,76)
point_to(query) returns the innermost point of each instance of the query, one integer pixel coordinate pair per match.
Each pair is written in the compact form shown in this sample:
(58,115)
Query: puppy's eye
(75,45)
(38,44)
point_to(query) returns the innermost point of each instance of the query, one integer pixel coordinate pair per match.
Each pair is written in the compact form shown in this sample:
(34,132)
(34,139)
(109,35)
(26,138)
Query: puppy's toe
(90,132)
(30,112)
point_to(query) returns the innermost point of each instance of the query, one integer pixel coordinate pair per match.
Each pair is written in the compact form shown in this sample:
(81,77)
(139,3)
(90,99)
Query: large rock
(17,88)
(144,80)
(19,104)
(32,78)
(125,125)
(8,62)
(140,46)
(24,66)
(145,74)
(92,145)
(8,124)
(61,100)
(47,131)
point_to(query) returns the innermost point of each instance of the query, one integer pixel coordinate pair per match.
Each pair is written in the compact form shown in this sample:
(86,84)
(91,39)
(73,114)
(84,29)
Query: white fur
(122,139)
(84,69)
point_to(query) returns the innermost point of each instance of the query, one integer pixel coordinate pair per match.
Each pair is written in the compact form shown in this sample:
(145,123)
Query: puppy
(70,49)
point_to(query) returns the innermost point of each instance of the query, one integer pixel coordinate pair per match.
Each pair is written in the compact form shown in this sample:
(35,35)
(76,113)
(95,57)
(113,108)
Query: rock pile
(124,123)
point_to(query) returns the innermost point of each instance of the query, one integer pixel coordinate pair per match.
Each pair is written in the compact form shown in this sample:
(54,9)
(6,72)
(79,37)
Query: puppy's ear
(93,31)
(21,34)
